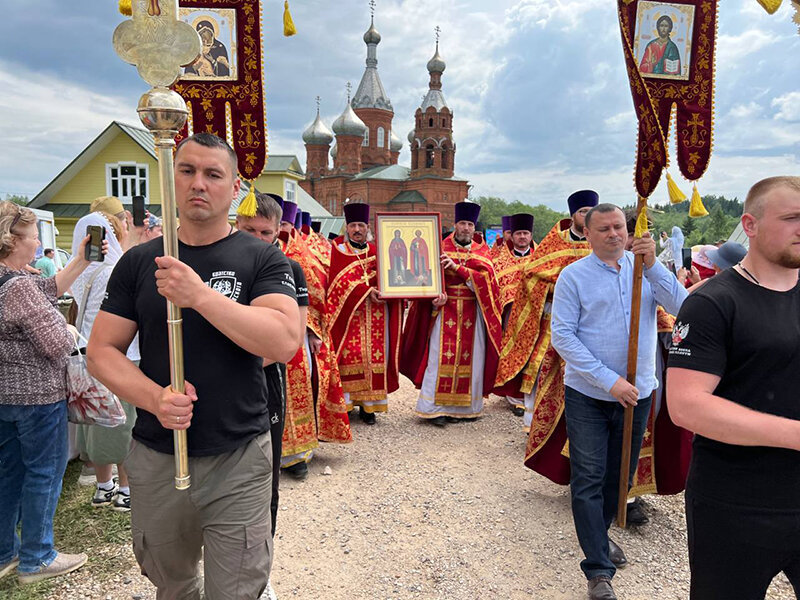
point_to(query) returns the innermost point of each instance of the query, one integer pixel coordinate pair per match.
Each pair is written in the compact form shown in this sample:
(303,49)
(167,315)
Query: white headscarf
(114,247)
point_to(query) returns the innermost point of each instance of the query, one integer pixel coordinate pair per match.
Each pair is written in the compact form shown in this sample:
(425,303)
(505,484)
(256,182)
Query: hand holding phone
(94,249)
(138,211)
(687,258)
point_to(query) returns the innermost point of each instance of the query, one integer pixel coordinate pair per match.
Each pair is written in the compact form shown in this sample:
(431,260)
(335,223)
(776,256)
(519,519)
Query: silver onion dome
(436,64)
(395,143)
(348,123)
(411,136)
(318,133)
(372,36)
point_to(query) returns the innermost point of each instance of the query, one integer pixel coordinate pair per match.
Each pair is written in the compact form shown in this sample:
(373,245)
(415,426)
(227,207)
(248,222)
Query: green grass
(101,533)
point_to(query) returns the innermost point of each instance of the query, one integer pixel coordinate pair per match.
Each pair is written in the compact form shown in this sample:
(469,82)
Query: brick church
(366,149)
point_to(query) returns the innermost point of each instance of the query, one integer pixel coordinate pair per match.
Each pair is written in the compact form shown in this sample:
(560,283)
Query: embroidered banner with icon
(223,87)
(669,54)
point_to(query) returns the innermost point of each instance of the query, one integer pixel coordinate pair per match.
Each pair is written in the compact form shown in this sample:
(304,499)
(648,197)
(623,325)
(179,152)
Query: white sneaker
(103,497)
(122,502)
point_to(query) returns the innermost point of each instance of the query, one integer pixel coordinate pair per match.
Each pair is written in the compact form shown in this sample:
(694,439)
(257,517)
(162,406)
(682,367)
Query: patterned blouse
(34,341)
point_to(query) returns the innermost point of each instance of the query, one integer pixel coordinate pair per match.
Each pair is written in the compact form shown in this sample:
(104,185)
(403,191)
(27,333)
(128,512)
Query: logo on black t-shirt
(679,333)
(226,283)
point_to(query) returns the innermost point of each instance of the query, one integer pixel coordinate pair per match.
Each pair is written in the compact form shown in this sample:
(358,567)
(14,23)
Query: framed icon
(663,42)
(219,55)
(409,246)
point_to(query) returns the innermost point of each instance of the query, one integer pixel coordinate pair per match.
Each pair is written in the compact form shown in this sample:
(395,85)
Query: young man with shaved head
(733,379)
(239,305)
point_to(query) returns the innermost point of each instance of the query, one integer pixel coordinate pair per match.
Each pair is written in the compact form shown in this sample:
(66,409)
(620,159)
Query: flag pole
(159,44)
(633,352)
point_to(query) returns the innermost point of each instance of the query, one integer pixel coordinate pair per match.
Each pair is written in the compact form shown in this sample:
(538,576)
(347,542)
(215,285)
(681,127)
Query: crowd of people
(287,338)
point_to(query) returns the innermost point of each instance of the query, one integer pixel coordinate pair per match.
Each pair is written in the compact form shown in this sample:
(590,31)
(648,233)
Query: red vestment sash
(508,268)
(359,326)
(459,318)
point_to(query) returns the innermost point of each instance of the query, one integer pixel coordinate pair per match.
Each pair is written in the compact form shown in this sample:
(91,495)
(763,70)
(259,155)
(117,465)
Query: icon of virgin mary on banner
(669,54)
(224,87)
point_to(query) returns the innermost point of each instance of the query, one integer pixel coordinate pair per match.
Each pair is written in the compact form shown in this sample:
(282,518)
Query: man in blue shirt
(590,328)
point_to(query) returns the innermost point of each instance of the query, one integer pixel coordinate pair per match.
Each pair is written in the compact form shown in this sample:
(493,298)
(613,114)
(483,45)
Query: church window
(366,138)
(444,122)
(428,156)
(126,180)
(430,122)
(381,137)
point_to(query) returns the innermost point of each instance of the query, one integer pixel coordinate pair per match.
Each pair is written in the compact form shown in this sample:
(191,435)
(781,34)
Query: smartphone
(94,249)
(687,258)
(138,211)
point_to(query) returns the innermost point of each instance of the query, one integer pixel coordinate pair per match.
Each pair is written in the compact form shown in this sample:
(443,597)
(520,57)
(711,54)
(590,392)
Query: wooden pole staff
(633,352)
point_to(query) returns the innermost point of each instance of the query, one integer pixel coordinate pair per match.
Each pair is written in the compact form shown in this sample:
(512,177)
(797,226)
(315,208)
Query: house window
(366,138)
(381,137)
(126,180)
(290,191)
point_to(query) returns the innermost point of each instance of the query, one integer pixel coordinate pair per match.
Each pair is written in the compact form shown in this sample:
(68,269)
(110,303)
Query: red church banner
(223,87)
(669,55)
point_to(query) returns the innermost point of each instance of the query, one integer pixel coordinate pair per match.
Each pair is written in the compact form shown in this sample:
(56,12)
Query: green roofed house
(121,161)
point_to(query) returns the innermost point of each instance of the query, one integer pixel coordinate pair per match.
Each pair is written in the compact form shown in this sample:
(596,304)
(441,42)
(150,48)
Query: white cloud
(788,107)
(731,49)
(46,122)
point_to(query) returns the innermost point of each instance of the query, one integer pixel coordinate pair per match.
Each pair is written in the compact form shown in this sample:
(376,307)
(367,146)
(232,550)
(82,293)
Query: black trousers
(276,404)
(735,552)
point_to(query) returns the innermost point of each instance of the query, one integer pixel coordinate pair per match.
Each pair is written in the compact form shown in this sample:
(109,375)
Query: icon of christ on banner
(663,39)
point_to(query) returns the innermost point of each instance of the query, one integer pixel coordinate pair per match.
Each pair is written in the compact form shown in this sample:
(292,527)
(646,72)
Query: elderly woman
(34,344)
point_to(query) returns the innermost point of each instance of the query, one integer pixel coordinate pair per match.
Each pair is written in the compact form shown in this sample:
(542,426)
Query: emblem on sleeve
(679,333)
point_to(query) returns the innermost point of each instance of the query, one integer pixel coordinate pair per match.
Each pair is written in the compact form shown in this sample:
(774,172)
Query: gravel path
(409,510)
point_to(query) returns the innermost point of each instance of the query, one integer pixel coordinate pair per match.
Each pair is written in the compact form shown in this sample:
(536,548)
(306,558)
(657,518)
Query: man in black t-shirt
(239,305)
(733,379)
(265,225)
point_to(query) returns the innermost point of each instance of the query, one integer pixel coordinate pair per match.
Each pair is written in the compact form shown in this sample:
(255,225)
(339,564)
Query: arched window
(430,122)
(428,156)
(381,137)
(366,138)
(444,122)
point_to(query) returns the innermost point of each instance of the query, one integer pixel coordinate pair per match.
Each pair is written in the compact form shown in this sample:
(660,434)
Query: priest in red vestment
(365,328)
(451,344)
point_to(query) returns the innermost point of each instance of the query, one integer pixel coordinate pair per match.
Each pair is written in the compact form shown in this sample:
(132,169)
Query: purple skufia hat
(277,199)
(521,222)
(356,212)
(506,223)
(582,199)
(316,226)
(467,211)
(306,218)
(289,212)
(298,220)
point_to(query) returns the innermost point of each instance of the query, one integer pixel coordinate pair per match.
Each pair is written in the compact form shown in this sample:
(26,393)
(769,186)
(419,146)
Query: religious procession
(226,376)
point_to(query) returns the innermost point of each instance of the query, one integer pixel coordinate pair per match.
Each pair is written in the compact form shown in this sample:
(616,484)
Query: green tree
(17,199)
(717,225)
(494,209)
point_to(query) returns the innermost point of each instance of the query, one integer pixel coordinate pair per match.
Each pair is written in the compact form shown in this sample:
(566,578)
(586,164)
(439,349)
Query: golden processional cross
(159,44)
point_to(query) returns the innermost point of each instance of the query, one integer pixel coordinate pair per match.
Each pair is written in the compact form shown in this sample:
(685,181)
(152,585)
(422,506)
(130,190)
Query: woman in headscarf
(104,446)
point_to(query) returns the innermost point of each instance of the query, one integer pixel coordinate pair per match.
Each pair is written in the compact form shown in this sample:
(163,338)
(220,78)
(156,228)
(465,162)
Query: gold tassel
(288,25)
(696,208)
(249,207)
(676,196)
(125,7)
(771,6)
(642,225)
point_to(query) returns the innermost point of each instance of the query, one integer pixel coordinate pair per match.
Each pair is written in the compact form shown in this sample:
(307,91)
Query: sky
(541,100)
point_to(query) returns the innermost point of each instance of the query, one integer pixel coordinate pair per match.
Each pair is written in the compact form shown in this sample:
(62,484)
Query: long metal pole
(164,148)
(633,352)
